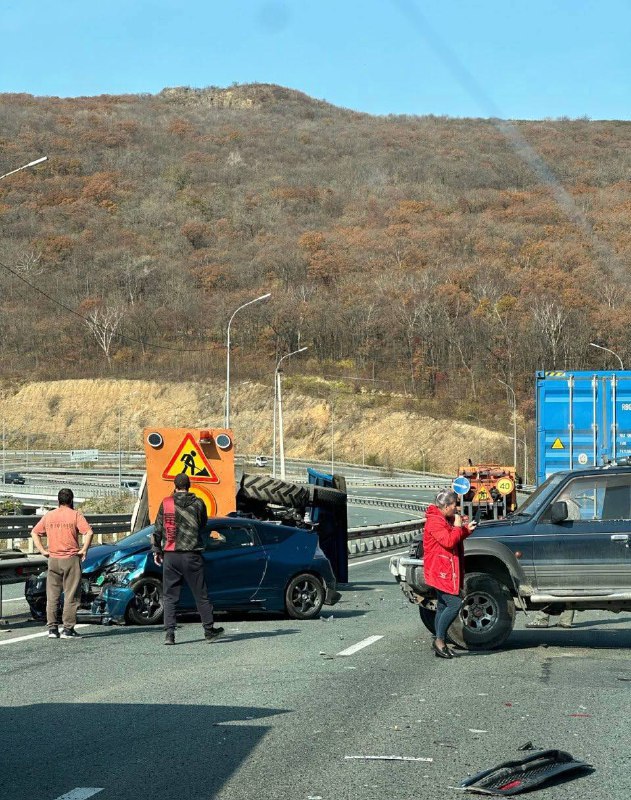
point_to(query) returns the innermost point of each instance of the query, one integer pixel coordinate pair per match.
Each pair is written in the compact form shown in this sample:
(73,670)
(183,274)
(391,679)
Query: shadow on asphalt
(570,637)
(165,751)
(364,586)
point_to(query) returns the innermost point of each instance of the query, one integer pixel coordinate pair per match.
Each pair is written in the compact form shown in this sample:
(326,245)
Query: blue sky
(516,59)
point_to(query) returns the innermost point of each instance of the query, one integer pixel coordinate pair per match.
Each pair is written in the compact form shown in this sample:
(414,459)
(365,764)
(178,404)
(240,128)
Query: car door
(589,550)
(234,562)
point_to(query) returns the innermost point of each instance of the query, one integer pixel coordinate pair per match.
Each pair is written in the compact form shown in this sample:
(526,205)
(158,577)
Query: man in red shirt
(61,528)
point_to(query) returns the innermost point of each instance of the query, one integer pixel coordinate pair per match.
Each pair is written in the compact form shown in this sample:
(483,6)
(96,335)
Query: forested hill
(423,252)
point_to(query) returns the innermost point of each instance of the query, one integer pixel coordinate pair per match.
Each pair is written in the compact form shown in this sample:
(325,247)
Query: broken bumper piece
(512,777)
(111,605)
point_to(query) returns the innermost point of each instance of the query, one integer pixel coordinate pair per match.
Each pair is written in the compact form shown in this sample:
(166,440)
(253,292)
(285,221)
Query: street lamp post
(523,442)
(120,449)
(512,391)
(332,442)
(249,303)
(25,166)
(278,404)
(423,456)
(600,347)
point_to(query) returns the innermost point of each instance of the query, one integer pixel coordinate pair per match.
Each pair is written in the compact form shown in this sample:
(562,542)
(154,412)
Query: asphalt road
(271,709)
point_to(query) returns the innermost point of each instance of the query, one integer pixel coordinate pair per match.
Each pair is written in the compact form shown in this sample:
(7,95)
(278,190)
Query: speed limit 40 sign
(505,486)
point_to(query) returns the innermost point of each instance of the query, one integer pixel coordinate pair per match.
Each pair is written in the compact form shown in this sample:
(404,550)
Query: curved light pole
(600,347)
(6,175)
(512,391)
(525,445)
(25,166)
(249,303)
(278,403)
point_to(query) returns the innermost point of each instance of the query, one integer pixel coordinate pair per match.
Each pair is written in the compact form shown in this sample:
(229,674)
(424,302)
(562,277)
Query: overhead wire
(89,322)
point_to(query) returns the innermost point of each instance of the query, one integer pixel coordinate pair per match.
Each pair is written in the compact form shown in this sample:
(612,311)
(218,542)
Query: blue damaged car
(249,565)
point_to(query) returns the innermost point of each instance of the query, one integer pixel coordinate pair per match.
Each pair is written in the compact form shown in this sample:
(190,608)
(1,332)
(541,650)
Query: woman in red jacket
(443,562)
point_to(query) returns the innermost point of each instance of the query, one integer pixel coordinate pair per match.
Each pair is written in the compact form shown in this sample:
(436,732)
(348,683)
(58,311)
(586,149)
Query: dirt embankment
(83,414)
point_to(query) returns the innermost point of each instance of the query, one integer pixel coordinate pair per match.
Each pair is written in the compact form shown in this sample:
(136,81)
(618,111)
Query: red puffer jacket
(443,553)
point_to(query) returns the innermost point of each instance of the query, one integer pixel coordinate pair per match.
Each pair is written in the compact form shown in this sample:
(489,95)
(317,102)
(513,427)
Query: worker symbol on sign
(188,462)
(190,459)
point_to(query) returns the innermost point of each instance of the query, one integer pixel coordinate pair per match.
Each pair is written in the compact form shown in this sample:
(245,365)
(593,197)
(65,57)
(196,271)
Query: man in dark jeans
(178,543)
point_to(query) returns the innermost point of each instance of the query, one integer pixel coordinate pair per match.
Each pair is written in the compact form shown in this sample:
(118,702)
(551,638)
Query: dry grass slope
(77,414)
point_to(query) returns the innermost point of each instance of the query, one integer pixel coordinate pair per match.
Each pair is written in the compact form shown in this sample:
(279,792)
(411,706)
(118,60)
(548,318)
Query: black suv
(568,546)
(14,477)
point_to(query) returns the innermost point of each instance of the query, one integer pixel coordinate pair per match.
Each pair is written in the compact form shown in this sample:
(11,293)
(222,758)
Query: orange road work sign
(190,460)
(206,456)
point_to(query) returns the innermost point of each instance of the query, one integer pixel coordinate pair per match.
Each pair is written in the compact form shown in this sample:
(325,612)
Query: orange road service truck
(205,455)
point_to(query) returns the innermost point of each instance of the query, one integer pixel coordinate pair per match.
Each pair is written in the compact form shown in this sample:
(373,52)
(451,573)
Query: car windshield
(140,537)
(533,502)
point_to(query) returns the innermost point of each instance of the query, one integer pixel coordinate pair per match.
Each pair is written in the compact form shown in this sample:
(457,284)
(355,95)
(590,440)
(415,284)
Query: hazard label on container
(190,460)
(557,444)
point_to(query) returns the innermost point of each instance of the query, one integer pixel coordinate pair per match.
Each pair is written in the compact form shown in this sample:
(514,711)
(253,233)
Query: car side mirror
(558,512)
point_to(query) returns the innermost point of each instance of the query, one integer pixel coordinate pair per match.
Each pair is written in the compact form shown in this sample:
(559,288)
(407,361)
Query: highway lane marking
(15,600)
(359,646)
(378,558)
(35,636)
(80,793)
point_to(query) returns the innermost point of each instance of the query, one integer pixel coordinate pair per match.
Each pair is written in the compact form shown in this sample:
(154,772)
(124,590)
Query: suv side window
(596,498)
(228,538)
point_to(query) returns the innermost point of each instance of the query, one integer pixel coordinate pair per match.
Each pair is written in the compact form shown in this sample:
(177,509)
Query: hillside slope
(78,414)
(430,255)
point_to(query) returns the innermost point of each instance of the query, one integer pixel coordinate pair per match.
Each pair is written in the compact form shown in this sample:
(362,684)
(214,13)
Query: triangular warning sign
(190,460)
(557,444)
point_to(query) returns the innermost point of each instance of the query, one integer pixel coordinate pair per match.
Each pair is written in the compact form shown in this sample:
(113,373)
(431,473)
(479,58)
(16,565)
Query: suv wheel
(487,614)
(428,618)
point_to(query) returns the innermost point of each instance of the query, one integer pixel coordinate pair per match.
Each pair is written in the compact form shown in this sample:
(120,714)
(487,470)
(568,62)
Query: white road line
(81,793)
(359,646)
(15,600)
(369,560)
(36,636)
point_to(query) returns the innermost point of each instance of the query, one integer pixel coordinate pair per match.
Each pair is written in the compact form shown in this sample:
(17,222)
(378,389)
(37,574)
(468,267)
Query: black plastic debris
(513,777)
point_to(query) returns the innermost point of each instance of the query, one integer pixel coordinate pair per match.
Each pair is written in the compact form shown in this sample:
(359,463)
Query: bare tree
(104,323)
(550,319)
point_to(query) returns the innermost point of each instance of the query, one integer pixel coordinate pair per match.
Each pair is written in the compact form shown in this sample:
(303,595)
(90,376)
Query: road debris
(527,746)
(388,758)
(513,777)
(476,730)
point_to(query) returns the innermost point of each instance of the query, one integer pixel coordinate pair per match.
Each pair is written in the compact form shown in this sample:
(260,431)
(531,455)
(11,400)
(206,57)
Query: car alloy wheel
(147,607)
(304,596)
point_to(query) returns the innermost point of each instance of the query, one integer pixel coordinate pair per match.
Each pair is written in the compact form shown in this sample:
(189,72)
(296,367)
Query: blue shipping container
(583,419)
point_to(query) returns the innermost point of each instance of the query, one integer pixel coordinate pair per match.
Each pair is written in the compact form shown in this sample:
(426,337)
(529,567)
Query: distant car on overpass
(14,477)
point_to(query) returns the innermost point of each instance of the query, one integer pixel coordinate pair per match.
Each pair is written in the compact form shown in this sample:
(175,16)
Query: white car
(261,461)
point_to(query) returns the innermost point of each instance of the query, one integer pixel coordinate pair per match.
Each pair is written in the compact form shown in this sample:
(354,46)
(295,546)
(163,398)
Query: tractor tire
(266,489)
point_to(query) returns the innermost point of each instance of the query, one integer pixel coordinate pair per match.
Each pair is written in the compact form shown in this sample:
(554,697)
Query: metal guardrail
(406,505)
(109,524)
(102,525)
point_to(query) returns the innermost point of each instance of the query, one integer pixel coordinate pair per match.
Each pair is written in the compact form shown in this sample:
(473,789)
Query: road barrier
(19,528)
(102,524)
